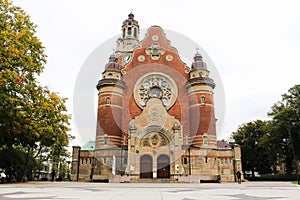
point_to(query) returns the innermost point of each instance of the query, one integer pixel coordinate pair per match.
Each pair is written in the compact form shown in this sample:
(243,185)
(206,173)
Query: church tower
(155,117)
(201,105)
(129,40)
(110,94)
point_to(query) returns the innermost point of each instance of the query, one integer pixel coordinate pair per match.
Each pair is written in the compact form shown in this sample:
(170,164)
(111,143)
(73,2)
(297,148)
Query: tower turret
(198,68)
(130,28)
(129,40)
(110,106)
(201,105)
(112,69)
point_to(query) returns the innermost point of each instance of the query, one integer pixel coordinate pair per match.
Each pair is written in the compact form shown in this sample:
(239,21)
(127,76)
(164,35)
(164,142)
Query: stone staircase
(153,180)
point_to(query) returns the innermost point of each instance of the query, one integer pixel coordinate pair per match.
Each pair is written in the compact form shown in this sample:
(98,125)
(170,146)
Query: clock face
(126,59)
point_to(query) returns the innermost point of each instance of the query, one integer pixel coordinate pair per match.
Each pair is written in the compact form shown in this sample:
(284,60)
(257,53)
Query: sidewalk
(149,191)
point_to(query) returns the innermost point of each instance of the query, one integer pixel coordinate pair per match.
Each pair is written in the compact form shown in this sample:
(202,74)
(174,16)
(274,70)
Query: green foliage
(274,177)
(33,120)
(286,120)
(264,144)
(253,138)
(13,161)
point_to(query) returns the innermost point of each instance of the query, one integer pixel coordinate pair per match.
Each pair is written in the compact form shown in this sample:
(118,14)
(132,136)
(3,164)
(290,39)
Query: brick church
(156,119)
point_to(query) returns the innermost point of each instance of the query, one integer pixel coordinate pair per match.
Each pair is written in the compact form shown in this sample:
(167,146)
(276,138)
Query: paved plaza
(147,191)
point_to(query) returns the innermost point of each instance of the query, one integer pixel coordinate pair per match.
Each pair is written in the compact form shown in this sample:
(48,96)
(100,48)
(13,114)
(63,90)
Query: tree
(265,144)
(33,120)
(253,138)
(286,120)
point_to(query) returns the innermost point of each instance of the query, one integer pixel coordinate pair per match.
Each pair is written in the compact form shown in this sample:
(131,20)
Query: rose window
(155,85)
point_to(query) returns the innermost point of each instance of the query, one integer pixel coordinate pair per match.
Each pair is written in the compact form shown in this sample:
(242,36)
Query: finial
(131,11)
(131,15)
(113,50)
(197,50)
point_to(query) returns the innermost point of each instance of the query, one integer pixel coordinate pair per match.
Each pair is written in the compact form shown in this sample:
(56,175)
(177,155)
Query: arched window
(205,140)
(108,101)
(129,31)
(202,100)
(105,140)
(123,32)
(135,33)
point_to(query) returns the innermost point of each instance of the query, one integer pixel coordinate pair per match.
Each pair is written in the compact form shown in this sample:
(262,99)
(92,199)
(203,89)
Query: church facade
(156,117)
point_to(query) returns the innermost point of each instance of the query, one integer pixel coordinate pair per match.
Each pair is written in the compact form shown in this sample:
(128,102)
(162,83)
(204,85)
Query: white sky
(255,45)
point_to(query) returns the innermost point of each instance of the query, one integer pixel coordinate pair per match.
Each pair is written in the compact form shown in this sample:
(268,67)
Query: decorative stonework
(154,37)
(155,85)
(169,58)
(141,58)
(154,140)
(155,51)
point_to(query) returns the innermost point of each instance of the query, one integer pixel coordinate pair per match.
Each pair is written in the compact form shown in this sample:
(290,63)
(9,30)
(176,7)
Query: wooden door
(146,167)
(163,166)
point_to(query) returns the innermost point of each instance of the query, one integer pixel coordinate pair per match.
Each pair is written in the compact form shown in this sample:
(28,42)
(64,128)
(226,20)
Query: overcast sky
(254,45)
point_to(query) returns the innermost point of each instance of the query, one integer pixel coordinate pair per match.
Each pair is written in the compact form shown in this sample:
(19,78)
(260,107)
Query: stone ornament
(155,85)
(155,51)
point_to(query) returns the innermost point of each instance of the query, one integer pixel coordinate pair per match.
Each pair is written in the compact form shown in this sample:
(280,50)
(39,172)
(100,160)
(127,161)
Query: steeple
(130,27)
(198,63)
(198,67)
(112,69)
(129,40)
(112,65)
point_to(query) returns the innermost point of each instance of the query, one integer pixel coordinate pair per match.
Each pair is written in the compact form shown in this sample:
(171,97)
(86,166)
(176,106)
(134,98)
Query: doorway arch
(163,166)
(146,164)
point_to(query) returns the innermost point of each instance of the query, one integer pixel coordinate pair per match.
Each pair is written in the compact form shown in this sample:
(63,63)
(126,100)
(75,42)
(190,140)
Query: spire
(113,64)
(131,15)
(198,63)
(130,27)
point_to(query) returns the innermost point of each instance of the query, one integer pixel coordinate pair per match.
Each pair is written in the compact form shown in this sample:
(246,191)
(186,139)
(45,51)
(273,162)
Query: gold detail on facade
(155,51)
(154,140)
(141,58)
(154,37)
(169,58)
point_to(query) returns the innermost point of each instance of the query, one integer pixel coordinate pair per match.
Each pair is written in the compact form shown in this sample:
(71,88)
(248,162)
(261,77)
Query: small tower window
(105,140)
(108,101)
(129,31)
(123,32)
(134,32)
(185,161)
(202,100)
(110,75)
(205,140)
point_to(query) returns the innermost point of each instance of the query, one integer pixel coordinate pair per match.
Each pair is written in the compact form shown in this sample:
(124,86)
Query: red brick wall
(175,69)
(202,118)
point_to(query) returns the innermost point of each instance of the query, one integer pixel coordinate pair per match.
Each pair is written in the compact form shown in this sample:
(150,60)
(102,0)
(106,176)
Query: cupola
(130,27)
(198,68)
(112,69)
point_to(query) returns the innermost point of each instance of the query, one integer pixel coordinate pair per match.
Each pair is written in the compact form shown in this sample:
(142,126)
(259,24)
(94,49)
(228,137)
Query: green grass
(294,182)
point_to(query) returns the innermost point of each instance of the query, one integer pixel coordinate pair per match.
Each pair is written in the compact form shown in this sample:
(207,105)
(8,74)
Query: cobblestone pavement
(148,191)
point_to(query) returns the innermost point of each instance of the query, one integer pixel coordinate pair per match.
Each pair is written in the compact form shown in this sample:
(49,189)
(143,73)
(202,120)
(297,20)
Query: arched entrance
(163,166)
(146,167)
